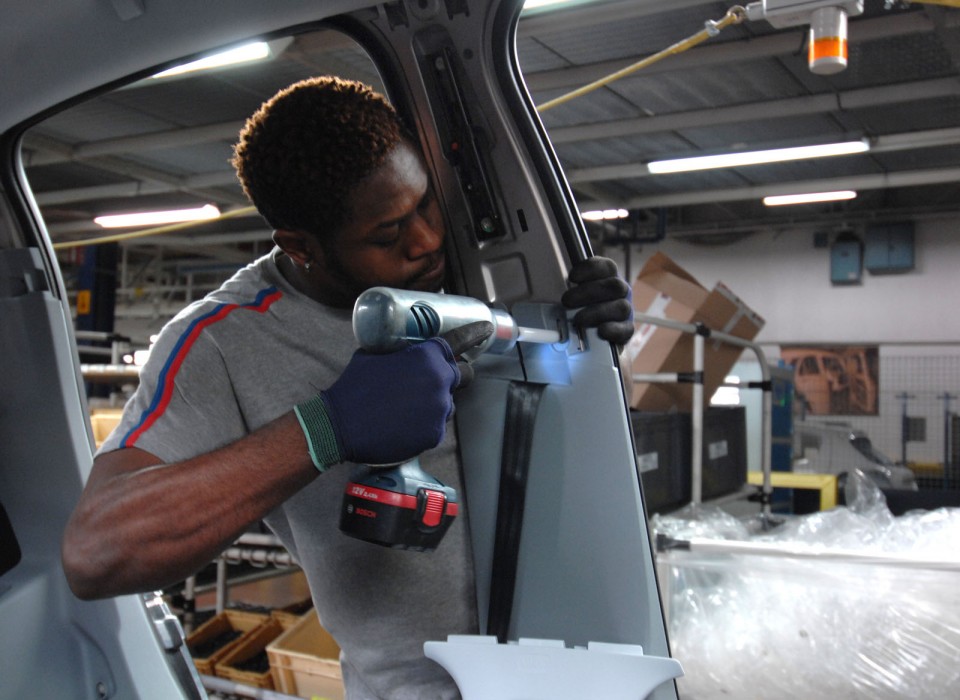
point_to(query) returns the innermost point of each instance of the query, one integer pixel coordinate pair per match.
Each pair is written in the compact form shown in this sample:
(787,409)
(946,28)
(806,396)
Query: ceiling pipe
(770,109)
(42,150)
(856,182)
(137,189)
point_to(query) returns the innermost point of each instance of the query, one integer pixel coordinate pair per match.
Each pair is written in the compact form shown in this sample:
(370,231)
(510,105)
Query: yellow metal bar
(926,469)
(826,484)
(735,15)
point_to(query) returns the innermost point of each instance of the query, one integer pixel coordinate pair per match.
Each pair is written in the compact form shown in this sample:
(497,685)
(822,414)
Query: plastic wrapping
(814,617)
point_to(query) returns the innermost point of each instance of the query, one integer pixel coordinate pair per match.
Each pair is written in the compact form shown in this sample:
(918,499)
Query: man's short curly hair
(308,146)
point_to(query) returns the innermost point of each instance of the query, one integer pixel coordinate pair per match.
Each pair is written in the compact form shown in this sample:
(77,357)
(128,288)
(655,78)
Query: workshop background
(854,299)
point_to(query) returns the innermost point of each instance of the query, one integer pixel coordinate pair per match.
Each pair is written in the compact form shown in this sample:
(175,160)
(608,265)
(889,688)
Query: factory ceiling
(167,142)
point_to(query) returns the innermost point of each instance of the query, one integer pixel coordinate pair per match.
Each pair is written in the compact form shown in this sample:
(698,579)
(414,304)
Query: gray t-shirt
(243,356)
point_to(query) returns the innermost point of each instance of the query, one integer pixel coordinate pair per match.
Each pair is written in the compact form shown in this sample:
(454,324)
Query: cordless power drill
(402,506)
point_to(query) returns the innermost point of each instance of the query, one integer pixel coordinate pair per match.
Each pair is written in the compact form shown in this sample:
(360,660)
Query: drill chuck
(386,319)
(404,507)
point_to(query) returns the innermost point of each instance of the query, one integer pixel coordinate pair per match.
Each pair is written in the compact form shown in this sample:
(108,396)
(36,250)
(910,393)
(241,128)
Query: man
(254,396)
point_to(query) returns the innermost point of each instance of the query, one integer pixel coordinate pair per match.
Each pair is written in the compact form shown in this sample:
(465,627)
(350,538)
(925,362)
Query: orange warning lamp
(827,52)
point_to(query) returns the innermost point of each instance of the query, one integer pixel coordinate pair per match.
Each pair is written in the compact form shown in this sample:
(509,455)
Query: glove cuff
(321,437)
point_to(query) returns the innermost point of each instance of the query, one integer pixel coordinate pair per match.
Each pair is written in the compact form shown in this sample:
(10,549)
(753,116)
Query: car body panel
(821,379)
(54,645)
(824,448)
(585,568)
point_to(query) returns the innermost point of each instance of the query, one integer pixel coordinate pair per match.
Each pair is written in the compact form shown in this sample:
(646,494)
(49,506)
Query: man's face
(393,236)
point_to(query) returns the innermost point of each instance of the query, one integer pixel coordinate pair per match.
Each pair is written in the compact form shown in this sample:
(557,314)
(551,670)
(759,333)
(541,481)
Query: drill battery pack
(401,507)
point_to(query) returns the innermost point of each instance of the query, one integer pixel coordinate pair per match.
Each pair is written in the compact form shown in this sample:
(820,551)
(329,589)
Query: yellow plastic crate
(292,614)
(304,661)
(224,623)
(826,484)
(103,421)
(251,645)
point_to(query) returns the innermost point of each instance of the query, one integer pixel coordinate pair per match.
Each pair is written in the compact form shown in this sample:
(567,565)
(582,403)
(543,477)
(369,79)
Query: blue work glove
(605,300)
(388,408)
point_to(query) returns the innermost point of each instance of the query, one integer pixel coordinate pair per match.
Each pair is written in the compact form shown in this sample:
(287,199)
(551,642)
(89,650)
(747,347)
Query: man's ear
(295,244)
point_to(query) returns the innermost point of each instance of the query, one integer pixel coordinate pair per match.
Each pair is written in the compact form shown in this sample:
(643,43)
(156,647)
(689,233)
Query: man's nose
(424,237)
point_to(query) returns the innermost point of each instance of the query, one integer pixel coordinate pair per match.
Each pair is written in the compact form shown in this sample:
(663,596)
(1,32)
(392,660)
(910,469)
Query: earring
(306,267)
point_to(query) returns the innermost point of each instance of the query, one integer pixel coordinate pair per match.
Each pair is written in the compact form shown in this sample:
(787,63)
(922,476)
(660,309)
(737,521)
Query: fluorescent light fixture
(776,155)
(810,198)
(156,218)
(598,215)
(256,51)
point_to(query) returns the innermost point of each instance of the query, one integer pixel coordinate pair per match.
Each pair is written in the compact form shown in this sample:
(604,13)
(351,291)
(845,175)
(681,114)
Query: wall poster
(836,380)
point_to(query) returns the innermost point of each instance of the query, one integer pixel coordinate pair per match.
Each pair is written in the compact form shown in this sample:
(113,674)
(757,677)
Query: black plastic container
(664,449)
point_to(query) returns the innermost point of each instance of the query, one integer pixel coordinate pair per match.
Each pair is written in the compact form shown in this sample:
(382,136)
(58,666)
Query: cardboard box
(305,661)
(663,289)
(216,637)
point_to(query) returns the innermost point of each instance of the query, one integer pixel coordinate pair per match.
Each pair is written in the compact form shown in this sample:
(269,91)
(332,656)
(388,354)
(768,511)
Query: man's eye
(387,242)
(425,202)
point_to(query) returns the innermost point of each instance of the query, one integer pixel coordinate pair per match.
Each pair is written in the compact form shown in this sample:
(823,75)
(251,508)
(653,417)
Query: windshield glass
(866,448)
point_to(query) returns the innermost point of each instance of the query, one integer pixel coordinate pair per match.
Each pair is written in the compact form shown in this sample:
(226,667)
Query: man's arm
(141,525)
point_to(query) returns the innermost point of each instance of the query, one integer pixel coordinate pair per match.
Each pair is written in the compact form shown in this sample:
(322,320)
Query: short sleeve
(185,405)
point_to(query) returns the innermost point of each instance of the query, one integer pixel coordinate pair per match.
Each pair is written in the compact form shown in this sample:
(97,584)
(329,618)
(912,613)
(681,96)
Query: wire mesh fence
(908,405)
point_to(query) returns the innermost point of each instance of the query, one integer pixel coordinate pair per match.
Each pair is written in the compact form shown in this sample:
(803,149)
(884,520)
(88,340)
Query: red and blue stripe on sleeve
(167,376)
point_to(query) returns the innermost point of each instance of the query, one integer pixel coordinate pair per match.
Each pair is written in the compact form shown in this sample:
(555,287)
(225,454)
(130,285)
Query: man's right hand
(389,408)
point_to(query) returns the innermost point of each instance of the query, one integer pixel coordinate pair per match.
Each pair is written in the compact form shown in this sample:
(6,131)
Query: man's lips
(432,274)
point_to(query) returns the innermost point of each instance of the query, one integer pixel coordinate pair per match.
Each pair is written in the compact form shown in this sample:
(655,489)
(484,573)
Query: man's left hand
(603,297)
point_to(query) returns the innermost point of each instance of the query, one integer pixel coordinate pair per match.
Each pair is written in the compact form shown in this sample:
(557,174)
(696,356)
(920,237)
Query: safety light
(827,52)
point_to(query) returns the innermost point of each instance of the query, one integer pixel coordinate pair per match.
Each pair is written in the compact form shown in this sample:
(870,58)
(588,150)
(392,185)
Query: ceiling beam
(855,182)
(943,22)
(558,20)
(159,183)
(138,188)
(146,180)
(788,221)
(578,177)
(755,111)
(44,150)
(767,46)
